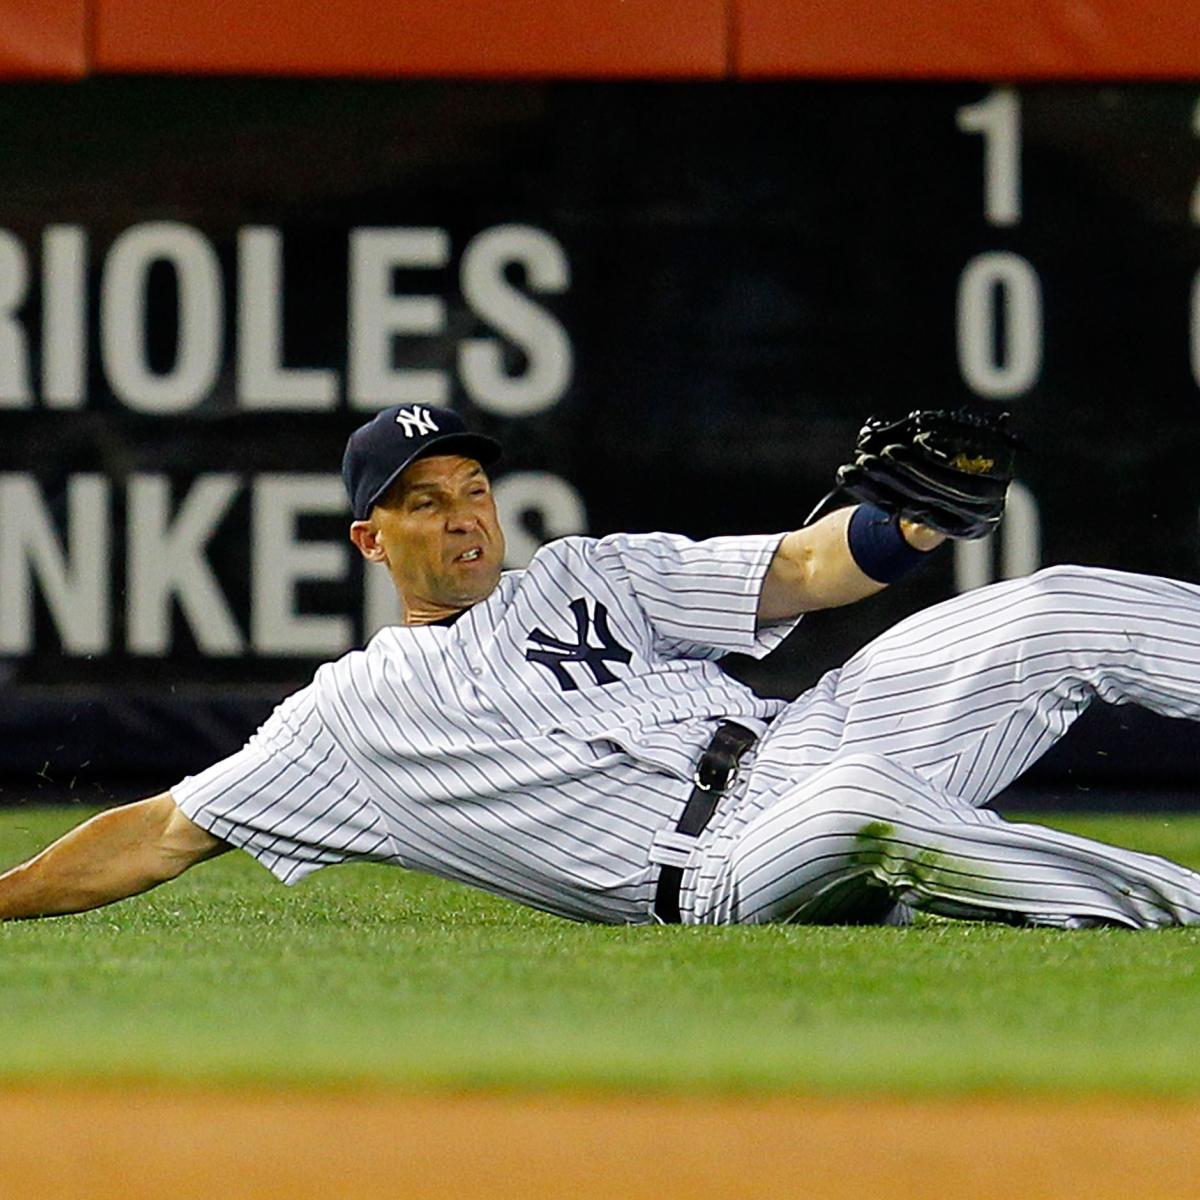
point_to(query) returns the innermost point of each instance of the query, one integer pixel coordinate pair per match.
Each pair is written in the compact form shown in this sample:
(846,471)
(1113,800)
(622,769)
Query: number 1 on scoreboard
(998,118)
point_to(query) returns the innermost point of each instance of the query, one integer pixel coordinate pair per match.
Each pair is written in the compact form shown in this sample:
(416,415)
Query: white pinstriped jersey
(535,747)
(542,747)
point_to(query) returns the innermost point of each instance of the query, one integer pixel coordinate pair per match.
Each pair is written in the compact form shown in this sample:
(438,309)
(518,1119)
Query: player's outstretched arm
(118,853)
(814,568)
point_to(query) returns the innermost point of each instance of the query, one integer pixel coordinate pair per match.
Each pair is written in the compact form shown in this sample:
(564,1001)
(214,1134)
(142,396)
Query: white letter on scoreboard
(536,332)
(64,316)
(263,382)
(74,582)
(123,317)
(14,350)
(377,316)
(166,562)
(281,561)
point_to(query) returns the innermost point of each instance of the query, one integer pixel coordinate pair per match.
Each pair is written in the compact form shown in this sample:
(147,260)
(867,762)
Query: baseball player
(563,736)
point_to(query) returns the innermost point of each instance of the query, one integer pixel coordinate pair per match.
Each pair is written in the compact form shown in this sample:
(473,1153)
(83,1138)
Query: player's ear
(366,539)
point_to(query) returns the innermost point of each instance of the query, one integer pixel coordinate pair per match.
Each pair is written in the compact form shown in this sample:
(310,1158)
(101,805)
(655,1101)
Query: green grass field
(369,975)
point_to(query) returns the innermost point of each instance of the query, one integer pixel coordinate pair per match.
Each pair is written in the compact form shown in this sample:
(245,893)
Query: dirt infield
(65,1143)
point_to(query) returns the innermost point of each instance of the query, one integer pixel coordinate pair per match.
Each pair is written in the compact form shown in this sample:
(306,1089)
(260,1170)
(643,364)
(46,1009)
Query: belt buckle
(721,780)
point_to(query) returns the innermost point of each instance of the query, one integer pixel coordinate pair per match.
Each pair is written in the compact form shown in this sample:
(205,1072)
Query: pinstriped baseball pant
(867,789)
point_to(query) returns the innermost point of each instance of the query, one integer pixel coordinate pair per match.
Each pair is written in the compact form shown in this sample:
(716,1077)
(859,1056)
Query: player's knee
(1048,586)
(854,792)
(1045,600)
(862,782)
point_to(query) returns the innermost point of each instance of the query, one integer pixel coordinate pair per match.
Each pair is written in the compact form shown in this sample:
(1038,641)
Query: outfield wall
(670,271)
(606,39)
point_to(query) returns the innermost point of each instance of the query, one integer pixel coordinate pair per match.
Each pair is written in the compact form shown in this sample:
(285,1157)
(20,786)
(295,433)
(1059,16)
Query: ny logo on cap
(416,421)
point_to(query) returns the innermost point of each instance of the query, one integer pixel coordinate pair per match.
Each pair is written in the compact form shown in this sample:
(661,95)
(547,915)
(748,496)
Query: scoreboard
(673,303)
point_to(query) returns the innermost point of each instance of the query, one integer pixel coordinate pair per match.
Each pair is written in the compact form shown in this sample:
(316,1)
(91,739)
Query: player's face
(439,535)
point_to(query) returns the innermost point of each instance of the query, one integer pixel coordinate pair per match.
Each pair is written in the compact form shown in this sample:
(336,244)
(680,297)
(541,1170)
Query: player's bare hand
(920,537)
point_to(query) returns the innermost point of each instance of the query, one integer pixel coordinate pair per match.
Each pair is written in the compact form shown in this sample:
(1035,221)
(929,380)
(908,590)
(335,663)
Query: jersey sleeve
(289,797)
(701,597)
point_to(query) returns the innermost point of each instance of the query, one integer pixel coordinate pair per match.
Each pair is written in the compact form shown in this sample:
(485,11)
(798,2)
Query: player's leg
(971,691)
(864,822)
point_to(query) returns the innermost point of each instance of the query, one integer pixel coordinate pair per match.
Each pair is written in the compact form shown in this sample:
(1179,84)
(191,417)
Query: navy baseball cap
(379,450)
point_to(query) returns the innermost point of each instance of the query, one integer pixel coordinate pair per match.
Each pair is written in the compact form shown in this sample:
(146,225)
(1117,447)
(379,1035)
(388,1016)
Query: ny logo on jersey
(555,653)
(416,421)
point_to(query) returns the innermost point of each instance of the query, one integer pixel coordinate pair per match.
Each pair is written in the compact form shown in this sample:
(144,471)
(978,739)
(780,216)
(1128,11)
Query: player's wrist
(879,546)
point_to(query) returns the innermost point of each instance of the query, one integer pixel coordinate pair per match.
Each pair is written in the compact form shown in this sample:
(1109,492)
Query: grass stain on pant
(896,863)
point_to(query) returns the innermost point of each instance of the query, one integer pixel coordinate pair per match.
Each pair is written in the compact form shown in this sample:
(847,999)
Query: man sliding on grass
(563,736)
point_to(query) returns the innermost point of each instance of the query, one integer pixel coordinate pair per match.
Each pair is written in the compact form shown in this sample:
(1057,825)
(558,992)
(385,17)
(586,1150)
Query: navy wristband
(877,545)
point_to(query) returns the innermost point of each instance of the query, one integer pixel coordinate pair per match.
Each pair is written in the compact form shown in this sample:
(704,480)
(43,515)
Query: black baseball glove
(947,470)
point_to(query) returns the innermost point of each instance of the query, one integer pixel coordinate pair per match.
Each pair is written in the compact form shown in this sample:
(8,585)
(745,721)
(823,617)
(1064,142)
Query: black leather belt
(714,773)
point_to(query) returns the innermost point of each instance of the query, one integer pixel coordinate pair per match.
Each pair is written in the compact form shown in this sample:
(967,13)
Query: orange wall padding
(1018,39)
(509,38)
(43,39)
(597,39)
